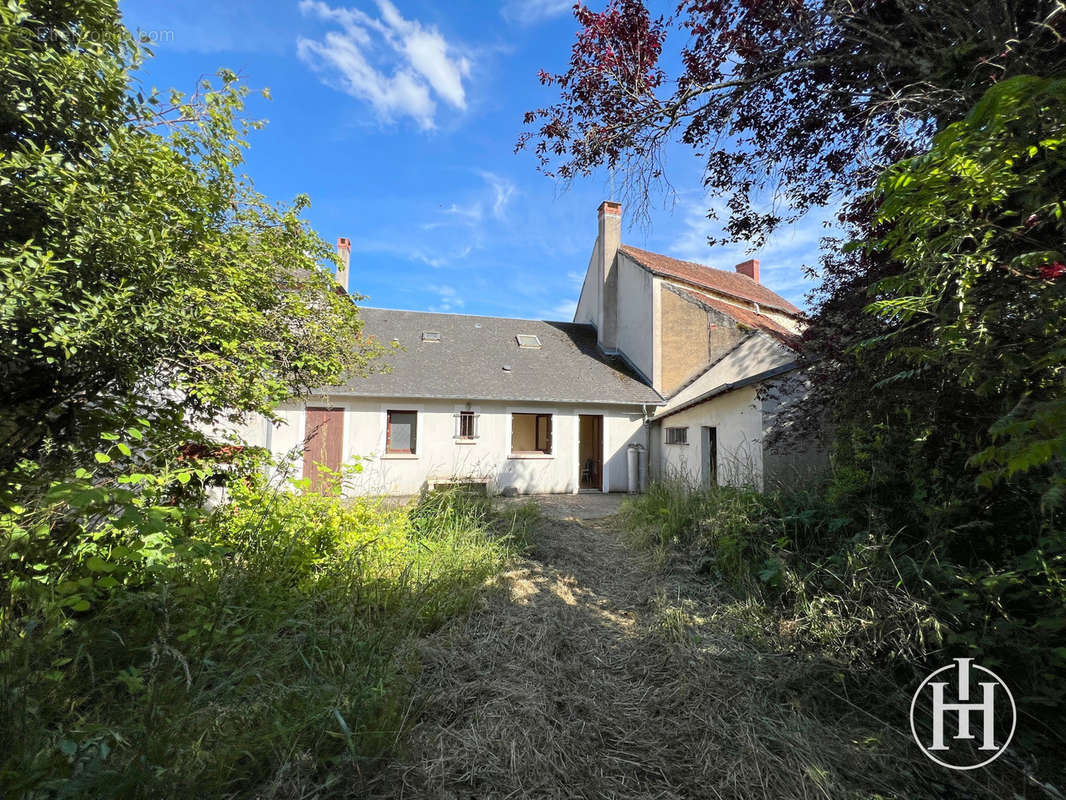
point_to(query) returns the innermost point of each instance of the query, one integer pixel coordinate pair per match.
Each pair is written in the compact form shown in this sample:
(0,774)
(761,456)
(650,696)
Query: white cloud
(781,258)
(502,192)
(472,212)
(424,66)
(404,250)
(576,278)
(449,298)
(528,12)
(562,311)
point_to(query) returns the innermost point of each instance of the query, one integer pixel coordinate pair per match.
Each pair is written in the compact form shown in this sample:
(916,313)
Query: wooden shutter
(323,438)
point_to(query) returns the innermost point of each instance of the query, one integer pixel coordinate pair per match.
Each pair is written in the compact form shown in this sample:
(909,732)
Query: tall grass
(845,588)
(847,593)
(274,661)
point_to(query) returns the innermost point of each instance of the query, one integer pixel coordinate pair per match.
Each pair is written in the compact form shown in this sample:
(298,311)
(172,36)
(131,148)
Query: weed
(269,653)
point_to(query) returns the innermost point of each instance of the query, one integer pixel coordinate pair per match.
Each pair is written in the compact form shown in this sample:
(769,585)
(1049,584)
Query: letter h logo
(968,710)
(987,707)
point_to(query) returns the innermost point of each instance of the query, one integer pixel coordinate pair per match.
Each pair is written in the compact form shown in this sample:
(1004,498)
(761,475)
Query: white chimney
(608,239)
(344,251)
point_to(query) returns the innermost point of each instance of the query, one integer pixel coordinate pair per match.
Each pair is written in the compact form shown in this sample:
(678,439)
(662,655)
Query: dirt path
(589,674)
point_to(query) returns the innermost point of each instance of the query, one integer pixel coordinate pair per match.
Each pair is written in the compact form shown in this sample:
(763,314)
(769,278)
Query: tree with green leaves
(141,276)
(978,227)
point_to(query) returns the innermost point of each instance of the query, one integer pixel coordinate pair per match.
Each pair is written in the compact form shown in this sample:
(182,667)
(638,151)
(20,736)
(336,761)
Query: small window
(677,435)
(401,434)
(528,341)
(466,425)
(430,336)
(531,433)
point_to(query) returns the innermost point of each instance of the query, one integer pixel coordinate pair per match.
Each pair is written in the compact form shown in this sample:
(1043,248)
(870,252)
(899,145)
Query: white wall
(588,304)
(440,456)
(737,416)
(635,311)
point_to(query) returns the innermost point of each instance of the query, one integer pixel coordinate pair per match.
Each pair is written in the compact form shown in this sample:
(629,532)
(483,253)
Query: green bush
(847,587)
(261,648)
(723,525)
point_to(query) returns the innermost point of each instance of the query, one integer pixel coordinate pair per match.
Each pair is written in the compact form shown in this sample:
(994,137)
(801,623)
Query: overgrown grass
(851,592)
(272,659)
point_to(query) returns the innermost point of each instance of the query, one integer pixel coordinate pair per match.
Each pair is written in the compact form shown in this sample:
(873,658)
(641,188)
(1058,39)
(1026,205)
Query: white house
(664,354)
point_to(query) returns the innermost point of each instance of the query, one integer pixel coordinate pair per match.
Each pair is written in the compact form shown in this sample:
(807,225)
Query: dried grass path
(588,674)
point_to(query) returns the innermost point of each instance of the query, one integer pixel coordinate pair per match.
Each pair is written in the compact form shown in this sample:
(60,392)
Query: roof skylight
(528,341)
(430,336)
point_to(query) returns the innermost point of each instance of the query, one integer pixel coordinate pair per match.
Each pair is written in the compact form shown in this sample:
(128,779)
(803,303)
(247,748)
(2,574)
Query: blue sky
(398,118)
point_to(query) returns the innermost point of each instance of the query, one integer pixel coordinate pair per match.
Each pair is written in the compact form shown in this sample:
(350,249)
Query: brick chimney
(749,268)
(344,250)
(609,237)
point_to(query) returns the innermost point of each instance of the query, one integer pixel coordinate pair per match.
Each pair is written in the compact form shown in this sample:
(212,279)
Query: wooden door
(323,434)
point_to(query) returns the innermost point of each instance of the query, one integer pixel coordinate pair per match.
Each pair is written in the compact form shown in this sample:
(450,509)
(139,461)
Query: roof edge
(470,316)
(770,328)
(568,401)
(725,388)
(710,366)
(792,312)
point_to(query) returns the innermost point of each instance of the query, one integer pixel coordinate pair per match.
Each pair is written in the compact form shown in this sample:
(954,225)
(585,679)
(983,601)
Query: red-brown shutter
(323,435)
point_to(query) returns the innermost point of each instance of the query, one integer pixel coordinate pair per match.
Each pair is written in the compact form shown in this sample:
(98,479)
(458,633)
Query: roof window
(430,336)
(528,341)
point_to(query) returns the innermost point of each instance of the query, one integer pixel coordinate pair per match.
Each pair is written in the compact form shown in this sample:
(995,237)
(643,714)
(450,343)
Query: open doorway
(709,456)
(590,451)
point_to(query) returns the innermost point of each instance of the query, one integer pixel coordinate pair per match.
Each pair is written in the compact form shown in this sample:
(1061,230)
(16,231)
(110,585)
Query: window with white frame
(401,432)
(531,433)
(466,425)
(677,435)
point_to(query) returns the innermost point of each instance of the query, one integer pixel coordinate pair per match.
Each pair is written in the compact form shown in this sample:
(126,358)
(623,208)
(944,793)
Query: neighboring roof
(744,316)
(716,280)
(751,358)
(728,387)
(468,361)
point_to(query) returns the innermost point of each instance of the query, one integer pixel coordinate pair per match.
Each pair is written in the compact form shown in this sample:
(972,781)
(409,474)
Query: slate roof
(717,280)
(467,363)
(746,317)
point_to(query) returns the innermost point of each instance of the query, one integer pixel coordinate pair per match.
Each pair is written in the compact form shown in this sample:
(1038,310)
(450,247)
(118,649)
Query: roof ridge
(711,278)
(467,316)
(690,263)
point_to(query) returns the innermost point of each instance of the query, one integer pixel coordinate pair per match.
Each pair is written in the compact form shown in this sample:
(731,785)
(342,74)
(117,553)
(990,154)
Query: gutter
(474,398)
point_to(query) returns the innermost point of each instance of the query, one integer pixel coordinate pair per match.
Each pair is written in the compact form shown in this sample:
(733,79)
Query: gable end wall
(693,336)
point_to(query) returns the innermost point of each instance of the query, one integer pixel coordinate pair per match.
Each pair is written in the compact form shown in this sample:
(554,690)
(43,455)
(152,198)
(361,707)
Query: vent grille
(528,341)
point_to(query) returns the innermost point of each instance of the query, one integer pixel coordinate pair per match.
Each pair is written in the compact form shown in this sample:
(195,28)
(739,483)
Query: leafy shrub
(845,586)
(260,648)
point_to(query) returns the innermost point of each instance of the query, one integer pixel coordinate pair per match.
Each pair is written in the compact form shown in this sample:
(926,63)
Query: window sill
(542,456)
(466,441)
(400,456)
(677,444)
